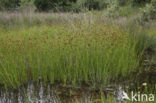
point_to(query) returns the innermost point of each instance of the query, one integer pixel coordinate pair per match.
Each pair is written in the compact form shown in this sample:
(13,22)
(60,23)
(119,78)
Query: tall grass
(81,51)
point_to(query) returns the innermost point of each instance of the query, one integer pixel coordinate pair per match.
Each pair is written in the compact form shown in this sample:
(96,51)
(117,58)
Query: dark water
(41,94)
(49,94)
(29,95)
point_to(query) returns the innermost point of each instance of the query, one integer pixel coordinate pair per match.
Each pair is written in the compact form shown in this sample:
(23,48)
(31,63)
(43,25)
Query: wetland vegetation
(92,47)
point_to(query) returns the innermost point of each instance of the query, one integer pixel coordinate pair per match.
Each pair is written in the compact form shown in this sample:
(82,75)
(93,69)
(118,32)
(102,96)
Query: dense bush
(140,2)
(112,8)
(69,5)
(9,4)
(55,5)
(26,2)
(74,5)
(43,4)
(92,4)
(149,11)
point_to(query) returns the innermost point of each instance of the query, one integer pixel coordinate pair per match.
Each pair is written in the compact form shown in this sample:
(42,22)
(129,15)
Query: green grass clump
(93,54)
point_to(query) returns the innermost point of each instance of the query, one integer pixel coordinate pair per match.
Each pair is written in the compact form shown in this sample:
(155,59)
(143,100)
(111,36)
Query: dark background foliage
(68,5)
(9,4)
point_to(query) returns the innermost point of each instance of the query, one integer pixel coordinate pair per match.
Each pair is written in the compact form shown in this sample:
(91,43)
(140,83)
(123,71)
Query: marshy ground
(79,54)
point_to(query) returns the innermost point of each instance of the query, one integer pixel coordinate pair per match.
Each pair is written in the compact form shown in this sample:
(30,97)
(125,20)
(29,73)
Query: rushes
(91,53)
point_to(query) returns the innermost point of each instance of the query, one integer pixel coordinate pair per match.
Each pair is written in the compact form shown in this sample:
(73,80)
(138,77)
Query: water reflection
(40,93)
(29,95)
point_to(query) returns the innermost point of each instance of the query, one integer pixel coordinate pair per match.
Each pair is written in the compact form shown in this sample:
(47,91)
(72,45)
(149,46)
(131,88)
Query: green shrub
(112,8)
(149,11)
